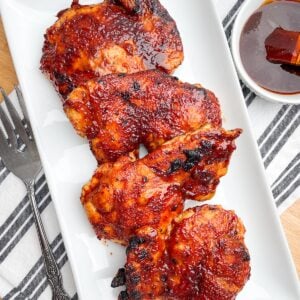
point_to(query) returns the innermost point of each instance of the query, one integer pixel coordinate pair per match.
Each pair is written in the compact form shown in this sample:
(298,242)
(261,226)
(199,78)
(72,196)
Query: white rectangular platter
(68,163)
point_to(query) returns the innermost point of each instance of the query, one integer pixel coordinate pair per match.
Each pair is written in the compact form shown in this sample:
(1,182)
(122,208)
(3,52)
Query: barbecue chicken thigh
(201,257)
(89,41)
(118,112)
(131,193)
(111,64)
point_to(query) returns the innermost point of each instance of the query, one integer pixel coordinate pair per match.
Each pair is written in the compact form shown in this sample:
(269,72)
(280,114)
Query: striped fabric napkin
(22,275)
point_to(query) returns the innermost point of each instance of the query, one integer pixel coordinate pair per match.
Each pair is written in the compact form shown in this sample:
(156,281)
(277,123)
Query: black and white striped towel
(22,274)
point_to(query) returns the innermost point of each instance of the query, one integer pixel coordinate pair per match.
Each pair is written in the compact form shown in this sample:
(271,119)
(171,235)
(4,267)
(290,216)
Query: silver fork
(22,159)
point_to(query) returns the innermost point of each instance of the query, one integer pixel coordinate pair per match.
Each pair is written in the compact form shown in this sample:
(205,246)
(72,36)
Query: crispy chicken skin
(127,36)
(203,257)
(131,193)
(119,112)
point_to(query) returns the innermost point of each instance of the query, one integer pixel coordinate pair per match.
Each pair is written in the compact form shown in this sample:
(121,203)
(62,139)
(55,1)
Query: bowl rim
(243,15)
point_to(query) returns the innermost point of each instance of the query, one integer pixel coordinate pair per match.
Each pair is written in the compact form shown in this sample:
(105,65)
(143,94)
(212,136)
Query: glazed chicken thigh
(111,64)
(127,36)
(119,112)
(202,257)
(131,193)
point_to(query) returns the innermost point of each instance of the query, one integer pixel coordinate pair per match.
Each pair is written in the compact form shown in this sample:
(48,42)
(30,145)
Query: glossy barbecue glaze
(279,78)
(119,112)
(283,47)
(131,193)
(202,256)
(110,37)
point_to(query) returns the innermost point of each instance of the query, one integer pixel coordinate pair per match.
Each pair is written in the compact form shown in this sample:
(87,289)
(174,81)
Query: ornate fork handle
(52,270)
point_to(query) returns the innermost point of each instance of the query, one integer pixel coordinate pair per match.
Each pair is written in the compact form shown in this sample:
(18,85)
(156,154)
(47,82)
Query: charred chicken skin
(119,112)
(127,36)
(131,193)
(102,60)
(201,257)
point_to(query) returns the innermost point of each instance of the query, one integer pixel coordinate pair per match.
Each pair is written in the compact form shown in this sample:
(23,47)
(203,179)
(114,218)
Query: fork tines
(12,124)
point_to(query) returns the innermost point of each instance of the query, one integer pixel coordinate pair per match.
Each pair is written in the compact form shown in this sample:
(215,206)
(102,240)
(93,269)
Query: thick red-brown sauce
(203,257)
(124,196)
(278,78)
(91,41)
(122,111)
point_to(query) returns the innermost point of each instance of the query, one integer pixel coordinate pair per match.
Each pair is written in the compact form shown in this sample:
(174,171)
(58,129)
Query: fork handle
(52,271)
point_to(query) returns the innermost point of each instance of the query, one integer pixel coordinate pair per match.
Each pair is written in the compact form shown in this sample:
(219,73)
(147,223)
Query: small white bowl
(245,12)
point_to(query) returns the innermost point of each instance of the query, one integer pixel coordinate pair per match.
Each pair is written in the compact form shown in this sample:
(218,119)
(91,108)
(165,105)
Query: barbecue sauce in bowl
(275,77)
